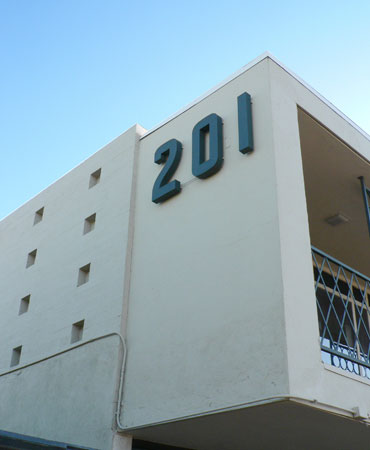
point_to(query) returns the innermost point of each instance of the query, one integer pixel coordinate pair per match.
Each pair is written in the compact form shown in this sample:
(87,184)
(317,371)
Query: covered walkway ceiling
(331,170)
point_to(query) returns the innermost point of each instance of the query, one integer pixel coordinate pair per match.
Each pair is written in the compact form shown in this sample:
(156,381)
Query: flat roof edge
(138,128)
(239,72)
(320,96)
(218,86)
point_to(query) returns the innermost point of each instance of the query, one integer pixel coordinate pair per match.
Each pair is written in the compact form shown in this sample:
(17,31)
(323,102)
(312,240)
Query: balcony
(336,176)
(342,297)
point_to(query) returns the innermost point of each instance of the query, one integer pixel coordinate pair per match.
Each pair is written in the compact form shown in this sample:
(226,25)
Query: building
(202,285)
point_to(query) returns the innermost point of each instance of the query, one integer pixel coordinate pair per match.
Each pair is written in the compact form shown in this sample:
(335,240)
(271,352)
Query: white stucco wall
(206,321)
(69,398)
(219,293)
(308,377)
(66,383)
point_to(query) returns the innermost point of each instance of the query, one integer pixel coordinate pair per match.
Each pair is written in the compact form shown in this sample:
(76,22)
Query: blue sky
(74,74)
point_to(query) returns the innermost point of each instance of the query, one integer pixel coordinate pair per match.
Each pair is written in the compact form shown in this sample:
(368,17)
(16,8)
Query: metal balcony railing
(343,308)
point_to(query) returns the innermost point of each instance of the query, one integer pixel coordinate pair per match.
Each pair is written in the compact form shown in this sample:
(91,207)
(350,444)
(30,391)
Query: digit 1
(245,123)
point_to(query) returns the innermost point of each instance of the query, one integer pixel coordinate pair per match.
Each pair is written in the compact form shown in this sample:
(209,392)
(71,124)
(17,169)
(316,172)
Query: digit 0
(211,124)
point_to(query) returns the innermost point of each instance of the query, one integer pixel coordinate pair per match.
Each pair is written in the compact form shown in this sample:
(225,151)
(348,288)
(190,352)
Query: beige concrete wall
(219,292)
(206,325)
(57,302)
(308,376)
(69,398)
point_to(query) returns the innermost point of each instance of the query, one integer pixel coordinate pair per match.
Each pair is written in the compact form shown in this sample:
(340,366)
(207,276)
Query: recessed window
(89,223)
(83,275)
(77,331)
(31,258)
(25,304)
(94,178)
(16,356)
(38,216)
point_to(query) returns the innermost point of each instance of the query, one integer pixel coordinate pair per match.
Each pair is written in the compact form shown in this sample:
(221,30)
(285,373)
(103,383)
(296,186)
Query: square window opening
(16,356)
(77,331)
(89,223)
(94,178)
(31,258)
(83,274)
(38,216)
(25,304)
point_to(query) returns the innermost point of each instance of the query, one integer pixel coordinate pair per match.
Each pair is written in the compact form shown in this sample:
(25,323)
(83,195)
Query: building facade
(202,285)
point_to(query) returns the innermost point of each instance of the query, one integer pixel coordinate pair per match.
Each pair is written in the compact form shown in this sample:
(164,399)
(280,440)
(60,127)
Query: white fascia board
(239,72)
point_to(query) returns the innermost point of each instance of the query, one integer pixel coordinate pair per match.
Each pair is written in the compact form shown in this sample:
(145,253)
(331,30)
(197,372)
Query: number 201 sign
(170,153)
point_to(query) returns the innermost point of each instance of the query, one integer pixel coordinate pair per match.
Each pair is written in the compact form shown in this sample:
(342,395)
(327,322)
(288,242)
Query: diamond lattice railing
(342,297)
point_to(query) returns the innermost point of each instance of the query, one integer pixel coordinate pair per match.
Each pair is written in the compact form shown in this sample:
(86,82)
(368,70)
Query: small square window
(83,275)
(25,304)
(31,258)
(77,330)
(38,216)
(94,178)
(89,223)
(16,356)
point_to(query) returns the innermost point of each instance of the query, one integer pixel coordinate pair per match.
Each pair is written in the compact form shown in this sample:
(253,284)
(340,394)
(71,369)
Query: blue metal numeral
(245,123)
(169,153)
(211,124)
